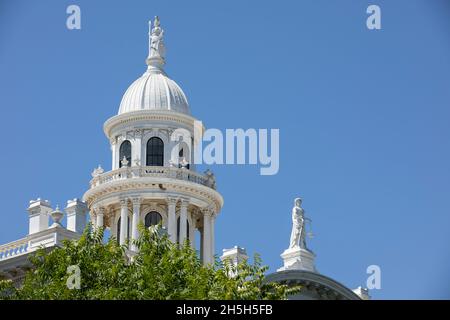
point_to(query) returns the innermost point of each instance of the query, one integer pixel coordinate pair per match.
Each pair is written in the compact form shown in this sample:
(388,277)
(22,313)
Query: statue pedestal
(298,259)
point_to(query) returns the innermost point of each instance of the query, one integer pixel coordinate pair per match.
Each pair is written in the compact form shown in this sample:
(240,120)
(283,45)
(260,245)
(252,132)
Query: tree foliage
(159,270)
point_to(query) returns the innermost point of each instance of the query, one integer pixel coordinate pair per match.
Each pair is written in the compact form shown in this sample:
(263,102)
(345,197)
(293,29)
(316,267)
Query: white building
(152,180)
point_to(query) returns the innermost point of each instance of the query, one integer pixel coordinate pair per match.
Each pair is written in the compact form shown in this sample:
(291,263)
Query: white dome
(154,91)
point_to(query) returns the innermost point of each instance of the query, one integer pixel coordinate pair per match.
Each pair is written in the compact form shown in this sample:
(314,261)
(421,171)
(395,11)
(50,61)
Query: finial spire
(156,54)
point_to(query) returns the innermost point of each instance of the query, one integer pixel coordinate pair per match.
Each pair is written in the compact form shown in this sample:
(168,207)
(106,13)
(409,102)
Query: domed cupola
(154,90)
(153,178)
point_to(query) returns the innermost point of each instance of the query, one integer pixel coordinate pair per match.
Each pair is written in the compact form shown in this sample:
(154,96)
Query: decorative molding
(127,119)
(184,202)
(121,138)
(208,211)
(119,182)
(172,201)
(147,208)
(135,185)
(136,201)
(123,202)
(138,133)
(196,214)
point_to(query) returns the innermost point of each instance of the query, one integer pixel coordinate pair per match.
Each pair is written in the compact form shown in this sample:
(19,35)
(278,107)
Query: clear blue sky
(363,116)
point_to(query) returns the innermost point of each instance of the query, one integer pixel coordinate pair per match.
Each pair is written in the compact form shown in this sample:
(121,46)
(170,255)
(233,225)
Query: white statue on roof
(298,256)
(156,34)
(298,234)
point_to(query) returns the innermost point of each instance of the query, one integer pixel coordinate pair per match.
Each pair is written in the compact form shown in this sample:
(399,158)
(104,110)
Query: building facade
(153,180)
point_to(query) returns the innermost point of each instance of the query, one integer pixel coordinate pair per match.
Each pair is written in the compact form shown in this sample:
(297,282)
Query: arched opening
(155,152)
(178,229)
(152,218)
(118,229)
(125,152)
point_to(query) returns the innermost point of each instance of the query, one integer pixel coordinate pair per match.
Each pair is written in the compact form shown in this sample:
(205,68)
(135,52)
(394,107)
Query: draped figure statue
(157,48)
(298,234)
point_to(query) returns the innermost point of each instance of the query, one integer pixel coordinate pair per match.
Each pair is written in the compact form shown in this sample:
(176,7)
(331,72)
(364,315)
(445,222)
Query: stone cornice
(136,185)
(129,118)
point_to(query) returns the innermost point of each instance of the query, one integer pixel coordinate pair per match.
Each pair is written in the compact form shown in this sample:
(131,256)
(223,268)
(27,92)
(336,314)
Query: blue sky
(363,118)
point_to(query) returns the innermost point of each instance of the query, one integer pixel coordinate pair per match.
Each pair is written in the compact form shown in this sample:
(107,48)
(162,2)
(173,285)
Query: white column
(201,244)
(123,220)
(135,222)
(207,259)
(114,225)
(192,230)
(172,219)
(183,219)
(136,149)
(99,220)
(114,164)
(213,242)
(93,217)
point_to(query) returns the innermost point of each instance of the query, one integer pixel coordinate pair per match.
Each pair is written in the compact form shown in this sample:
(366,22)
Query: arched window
(125,151)
(155,152)
(118,229)
(152,219)
(178,229)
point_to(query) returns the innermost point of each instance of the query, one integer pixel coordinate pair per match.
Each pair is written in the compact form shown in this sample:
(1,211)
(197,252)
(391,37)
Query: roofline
(304,275)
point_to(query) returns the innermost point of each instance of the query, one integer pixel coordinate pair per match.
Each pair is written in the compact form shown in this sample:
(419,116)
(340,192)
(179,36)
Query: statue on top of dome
(156,34)
(298,234)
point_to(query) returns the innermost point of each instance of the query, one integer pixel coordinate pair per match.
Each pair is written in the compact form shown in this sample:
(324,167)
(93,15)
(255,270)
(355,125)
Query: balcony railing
(156,172)
(15,248)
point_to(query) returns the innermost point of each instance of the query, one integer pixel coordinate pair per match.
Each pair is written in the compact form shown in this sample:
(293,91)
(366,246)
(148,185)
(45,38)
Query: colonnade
(207,243)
